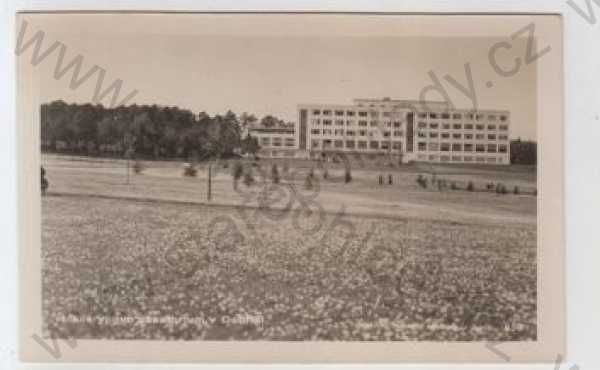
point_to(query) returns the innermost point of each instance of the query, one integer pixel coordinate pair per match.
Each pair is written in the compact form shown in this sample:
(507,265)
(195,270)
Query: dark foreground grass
(157,270)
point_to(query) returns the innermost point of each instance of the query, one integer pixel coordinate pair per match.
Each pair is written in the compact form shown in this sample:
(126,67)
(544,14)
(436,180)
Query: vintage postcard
(290,187)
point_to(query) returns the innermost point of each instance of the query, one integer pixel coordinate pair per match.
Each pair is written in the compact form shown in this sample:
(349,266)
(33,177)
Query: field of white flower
(139,269)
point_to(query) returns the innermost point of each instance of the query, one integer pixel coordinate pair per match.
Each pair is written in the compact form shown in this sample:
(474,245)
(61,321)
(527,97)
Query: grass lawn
(403,263)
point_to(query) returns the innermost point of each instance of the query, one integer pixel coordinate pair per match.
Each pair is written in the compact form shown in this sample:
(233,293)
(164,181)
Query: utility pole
(128,155)
(209,193)
(128,143)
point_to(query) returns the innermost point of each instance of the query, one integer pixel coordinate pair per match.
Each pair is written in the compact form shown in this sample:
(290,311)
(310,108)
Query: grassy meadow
(147,256)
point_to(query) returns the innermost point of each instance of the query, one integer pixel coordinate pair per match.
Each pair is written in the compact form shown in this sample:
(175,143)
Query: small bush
(347,176)
(470,186)
(501,189)
(490,186)
(138,167)
(516,190)
(275,174)
(189,170)
(308,182)
(45,184)
(422,181)
(453,186)
(248,178)
(237,172)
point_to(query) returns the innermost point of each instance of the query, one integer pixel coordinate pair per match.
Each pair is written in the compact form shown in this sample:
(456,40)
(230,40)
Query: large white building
(403,129)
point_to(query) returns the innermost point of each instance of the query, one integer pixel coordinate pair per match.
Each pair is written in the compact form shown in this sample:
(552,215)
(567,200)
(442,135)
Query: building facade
(404,129)
(275,142)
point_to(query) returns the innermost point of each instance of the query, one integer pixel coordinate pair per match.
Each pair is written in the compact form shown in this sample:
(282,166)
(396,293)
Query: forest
(146,131)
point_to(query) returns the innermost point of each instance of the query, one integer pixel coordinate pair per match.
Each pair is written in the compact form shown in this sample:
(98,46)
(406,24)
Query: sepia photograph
(321,178)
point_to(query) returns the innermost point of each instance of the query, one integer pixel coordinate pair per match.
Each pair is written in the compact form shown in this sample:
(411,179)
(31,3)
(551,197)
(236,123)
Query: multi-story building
(408,130)
(277,142)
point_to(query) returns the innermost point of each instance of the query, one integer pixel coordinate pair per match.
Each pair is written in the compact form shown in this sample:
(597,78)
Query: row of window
(277,141)
(468,116)
(420,124)
(459,126)
(278,153)
(458,158)
(457,147)
(352,113)
(362,123)
(399,133)
(460,136)
(370,133)
(364,113)
(352,144)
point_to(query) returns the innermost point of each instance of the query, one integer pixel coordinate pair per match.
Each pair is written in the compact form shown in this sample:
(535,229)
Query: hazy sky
(200,64)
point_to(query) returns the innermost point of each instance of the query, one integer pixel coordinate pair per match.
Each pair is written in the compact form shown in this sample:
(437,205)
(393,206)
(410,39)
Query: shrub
(516,190)
(189,170)
(470,186)
(275,174)
(422,181)
(453,186)
(308,182)
(490,186)
(138,167)
(236,173)
(45,184)
(248,178)
(501,189)
(347,175)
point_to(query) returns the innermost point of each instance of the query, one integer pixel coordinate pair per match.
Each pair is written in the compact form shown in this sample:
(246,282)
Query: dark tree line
(523,152)
(149,131)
